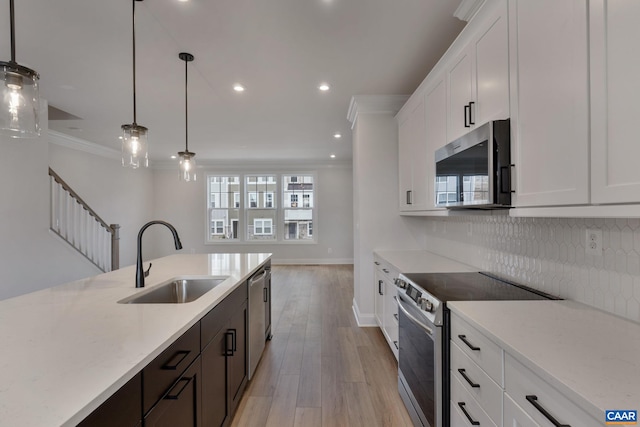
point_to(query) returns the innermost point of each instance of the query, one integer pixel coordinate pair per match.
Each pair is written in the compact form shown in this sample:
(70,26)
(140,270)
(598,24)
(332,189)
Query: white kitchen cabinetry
(386,305)
(515,416)
(539,400)
(412,157)
(549,90)
(615,91)
(478,78)
(435,101)
(476,376)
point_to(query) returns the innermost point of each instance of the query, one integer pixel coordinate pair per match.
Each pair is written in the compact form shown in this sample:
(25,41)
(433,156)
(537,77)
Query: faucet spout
(140,273)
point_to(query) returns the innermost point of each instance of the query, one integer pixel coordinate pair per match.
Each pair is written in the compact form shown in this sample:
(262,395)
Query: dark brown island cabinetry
(121,409)
(197,381)
(224,358)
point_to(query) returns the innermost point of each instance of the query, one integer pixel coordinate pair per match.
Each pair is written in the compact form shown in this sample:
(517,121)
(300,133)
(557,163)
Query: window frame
(242,196)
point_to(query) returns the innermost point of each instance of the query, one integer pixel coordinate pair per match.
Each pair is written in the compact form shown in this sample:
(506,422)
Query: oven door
(419,365)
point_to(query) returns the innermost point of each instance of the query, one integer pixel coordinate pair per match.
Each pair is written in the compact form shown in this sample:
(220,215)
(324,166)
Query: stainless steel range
(423,362)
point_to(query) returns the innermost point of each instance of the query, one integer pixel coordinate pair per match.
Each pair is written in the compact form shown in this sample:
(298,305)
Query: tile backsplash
(549,254)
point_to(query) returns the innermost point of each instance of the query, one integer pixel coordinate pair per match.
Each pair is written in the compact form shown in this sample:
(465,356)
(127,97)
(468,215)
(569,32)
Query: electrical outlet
(593,242)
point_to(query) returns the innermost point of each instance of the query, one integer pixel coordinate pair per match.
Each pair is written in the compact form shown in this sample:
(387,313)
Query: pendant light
(19,94)
(134,137)
(187,158)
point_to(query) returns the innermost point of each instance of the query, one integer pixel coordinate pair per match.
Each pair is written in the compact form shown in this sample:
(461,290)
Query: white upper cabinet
(412,156)
(550,101)
(615,96)
(435,101)
(478,78)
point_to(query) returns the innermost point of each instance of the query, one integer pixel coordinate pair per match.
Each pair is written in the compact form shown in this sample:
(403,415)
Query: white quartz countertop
(66,349)
(588,355)
(422,262)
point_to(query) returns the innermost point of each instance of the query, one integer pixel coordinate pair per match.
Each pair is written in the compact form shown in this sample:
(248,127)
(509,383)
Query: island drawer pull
(466,414)
(228,345)
(176,396)
(463,372)
(533,399)
(176,360)
(471,346)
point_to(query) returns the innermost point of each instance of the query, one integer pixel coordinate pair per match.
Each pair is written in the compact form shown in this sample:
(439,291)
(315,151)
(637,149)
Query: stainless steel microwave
(474,171)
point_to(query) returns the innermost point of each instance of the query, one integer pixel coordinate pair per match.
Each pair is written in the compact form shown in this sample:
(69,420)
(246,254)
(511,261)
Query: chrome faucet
(140,273)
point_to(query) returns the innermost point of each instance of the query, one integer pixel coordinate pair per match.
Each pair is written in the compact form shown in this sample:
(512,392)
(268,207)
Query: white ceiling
(281,50)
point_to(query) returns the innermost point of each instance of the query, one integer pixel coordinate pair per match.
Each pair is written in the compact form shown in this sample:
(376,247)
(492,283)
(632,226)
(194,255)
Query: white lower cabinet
(386,306)
(470,410)
(542,403)
(515,416)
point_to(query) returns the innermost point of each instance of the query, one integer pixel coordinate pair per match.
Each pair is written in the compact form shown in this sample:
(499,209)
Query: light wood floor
(321,369)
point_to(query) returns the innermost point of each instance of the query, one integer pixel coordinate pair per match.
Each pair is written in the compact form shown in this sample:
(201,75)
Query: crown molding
(467,9)
(78,144)
(258,165)
(374,104)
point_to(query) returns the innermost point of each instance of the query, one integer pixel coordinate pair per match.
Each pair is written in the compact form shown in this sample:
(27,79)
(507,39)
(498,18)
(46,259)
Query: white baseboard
(363,320)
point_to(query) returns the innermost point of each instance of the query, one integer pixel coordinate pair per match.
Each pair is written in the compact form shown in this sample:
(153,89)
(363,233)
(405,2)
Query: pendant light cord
(13,31)
(134,61)
(186,108)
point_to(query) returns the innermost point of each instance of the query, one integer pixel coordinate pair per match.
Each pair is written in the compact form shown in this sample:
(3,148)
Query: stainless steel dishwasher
(257,320)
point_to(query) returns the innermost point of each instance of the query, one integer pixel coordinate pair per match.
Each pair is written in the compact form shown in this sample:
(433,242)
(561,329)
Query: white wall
(31,258)
(377,224)
(119,195)
(184,206)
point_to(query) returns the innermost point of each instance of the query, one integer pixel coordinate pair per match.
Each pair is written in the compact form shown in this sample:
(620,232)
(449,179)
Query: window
(246,208)
(268,200)
(223,211)
(261,212)
(262,226)
(298,217)
(217,227)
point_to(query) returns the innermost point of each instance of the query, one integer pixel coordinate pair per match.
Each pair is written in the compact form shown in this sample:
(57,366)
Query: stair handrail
(113,229)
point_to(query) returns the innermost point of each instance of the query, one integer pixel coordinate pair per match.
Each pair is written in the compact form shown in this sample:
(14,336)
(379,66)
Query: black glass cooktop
(473,287)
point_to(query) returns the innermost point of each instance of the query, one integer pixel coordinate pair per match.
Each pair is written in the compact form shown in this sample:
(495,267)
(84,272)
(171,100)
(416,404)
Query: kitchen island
(66,349)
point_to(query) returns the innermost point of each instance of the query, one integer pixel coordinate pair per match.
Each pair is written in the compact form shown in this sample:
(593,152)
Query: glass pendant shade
(19,95)
(187,166)
(134,146)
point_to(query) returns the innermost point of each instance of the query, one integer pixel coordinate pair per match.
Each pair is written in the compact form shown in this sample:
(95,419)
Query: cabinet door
(124,408)
(549,101)
(391,316)
(181,405)
(435,105)
(515,416)
(460,84)
(413,159)
(237,360)
(379,298)
(615,91)
(214,384)
(491,53)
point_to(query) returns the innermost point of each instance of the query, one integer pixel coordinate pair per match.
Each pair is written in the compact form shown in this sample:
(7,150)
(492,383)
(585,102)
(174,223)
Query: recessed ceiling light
(238,87)
(120,137)
(333,156)
(324,87)
(174,156)
(337,135)
(183,1)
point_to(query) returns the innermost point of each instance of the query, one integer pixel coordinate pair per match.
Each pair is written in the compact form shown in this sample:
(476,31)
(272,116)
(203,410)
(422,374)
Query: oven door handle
(413,318)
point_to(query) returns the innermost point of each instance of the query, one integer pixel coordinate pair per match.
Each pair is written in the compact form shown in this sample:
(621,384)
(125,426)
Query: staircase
(78,225)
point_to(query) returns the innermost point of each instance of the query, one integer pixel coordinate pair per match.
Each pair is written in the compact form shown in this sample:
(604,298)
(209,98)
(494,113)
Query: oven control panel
(428,305)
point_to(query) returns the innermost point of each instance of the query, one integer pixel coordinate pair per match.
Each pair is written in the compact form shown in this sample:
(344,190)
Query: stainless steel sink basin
(176,291)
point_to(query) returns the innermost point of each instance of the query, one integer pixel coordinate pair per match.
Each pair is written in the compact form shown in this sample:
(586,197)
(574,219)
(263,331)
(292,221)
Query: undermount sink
(175,291)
